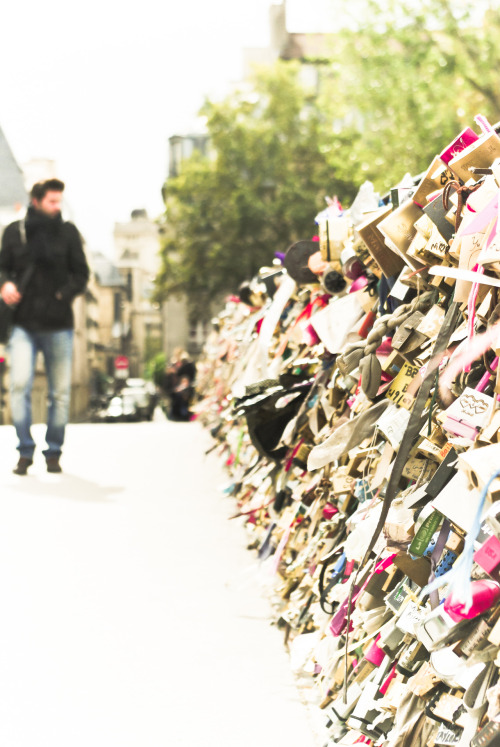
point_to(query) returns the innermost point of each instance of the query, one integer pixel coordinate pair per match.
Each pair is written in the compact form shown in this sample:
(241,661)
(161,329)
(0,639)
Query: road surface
(130,614)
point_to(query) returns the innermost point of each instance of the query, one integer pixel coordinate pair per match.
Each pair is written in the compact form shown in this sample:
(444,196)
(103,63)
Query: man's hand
(10,294)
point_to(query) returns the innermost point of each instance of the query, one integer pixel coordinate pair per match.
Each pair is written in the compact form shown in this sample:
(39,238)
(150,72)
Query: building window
(117,307)
(130,255)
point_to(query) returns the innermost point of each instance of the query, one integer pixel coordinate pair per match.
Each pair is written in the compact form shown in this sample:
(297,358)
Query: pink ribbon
(483,124)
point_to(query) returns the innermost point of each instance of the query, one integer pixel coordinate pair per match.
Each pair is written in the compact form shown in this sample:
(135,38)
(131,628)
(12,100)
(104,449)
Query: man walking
(42,269)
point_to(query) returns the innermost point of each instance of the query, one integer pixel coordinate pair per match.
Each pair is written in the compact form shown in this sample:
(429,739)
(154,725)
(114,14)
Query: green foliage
(152,348)
(155,368)
(404,79)
(272,164)
(416,73)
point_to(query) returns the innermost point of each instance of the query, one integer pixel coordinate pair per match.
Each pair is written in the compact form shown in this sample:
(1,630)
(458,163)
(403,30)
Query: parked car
(120,407)
(143,393)
(135,401)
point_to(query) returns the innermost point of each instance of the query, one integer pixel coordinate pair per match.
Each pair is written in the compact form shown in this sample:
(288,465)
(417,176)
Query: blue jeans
(57,351)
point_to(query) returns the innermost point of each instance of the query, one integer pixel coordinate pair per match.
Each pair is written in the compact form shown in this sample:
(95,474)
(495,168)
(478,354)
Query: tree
(404,79)
(416,73)
(259,191)
(155,368)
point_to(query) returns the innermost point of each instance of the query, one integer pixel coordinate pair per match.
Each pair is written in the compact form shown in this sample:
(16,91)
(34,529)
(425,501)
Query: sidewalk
(129,613)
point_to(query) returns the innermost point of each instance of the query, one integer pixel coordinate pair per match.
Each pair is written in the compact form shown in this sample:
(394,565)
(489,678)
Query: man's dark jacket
(60,270)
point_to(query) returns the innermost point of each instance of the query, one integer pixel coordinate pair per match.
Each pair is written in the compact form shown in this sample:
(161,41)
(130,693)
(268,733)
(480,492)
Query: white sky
(99,87)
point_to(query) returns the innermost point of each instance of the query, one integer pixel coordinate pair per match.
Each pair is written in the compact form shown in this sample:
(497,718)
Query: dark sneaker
(53,464)
(22,466)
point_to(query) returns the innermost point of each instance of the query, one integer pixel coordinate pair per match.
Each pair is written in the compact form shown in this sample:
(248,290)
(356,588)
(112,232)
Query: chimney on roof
(139,214)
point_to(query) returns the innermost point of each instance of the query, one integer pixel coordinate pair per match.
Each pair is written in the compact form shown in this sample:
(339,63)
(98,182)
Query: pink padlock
(329,511)
(488,556)
(485,594)
(375,655)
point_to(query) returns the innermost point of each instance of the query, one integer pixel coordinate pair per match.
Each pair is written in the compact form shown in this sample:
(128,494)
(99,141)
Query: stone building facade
(137,246)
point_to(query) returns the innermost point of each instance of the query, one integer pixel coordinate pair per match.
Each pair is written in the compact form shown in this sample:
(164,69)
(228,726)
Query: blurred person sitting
(178,385)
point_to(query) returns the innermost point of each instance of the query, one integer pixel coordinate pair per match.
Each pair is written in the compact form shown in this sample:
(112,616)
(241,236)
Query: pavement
(131,614)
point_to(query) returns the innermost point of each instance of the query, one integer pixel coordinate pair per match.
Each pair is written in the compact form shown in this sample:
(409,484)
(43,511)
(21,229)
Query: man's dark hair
(40,189)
